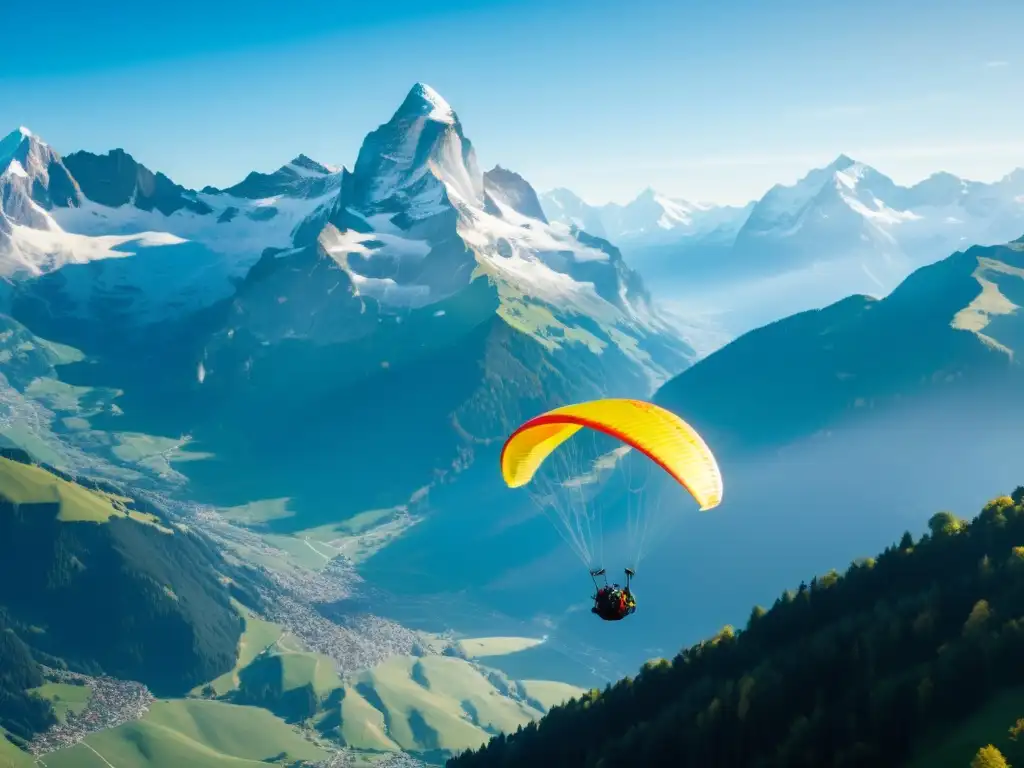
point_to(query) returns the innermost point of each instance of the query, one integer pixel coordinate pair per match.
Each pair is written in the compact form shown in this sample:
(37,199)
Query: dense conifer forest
(858,670)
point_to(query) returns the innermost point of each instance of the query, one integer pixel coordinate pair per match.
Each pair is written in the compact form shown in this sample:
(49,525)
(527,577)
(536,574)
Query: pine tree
(989,757)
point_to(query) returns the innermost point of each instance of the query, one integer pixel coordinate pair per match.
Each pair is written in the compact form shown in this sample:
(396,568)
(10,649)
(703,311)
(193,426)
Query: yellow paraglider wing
(659,434)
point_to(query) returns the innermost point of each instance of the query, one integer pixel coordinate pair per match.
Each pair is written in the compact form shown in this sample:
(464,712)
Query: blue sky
(711,101)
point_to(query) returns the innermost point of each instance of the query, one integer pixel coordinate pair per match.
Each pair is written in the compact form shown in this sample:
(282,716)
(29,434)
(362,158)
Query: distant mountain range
(650,219)
(840,230)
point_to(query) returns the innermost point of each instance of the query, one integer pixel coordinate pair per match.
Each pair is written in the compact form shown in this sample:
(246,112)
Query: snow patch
(15,169)
(241,239)
(36,251)
(440,110)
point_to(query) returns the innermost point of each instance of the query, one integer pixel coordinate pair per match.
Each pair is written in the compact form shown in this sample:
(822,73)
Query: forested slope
(865,669)
(101,583)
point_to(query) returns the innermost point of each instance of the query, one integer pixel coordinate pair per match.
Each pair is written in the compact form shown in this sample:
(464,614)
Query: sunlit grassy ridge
(545,694)
(193,733)
(438,703)
(481,647)
(424,705)
(28,484)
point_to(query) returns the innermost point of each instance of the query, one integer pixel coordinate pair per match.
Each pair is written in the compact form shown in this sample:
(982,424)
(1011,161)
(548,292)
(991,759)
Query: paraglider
(612,602)
(663,439)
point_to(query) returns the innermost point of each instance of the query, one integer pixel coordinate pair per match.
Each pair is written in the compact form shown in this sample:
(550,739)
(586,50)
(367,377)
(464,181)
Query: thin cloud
(996,64)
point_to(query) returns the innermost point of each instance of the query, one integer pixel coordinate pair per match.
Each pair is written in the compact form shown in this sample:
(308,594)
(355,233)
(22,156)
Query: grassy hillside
(199,734)
(11,756)
(877,667)
(101,582)
(954,326)
(434,706)
(430,705)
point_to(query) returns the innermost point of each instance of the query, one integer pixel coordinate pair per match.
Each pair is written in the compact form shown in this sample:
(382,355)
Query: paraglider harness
(612,602)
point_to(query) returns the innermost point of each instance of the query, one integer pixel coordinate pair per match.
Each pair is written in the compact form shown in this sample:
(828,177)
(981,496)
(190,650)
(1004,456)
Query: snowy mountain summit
(858,212)
(418,162)
(317,254)
(33,181)
(416,221)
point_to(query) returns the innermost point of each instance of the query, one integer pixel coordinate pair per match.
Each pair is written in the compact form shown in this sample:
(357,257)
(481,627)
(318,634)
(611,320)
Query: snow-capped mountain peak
(416,224)
(305,166)
(651,218)
(842,162)
(668,213)
(513,190)
(784,208)
(424,101)
(418,162)
(301,177)
(165,249)
(9,144)
(566,207)
(33,181)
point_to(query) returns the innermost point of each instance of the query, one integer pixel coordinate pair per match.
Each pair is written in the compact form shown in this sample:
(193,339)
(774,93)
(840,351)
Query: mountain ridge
(949,326)
(414,270)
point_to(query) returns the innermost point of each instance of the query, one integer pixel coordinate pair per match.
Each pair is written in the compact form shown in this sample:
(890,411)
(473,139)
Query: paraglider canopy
(657,433)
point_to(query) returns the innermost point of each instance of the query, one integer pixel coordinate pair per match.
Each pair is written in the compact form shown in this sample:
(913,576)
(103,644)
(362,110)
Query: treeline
(21,713)
(852,671)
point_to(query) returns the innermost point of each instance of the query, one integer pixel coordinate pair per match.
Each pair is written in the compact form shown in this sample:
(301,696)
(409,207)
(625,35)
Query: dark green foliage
(852,671)
(120,597)
(20,713)
(989,757)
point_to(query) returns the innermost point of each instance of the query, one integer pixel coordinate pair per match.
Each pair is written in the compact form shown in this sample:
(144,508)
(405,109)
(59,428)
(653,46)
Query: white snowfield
(241,239)
(166,263)
(412,225)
